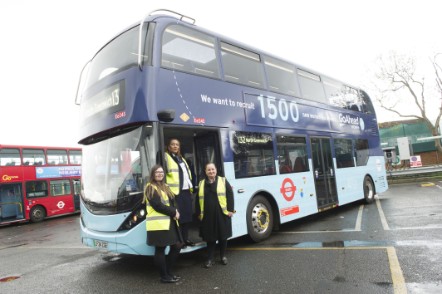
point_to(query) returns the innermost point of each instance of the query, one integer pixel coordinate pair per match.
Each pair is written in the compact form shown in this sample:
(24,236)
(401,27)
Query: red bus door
(11,202)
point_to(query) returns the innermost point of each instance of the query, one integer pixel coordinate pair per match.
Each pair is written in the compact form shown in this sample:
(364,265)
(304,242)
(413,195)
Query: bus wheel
(368,190)
(38,213)
(259,219)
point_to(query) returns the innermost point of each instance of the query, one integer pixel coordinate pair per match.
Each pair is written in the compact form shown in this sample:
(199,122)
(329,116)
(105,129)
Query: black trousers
(165,264)
(211,249)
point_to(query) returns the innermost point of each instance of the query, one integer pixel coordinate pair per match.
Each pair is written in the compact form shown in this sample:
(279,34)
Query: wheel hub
(260,218)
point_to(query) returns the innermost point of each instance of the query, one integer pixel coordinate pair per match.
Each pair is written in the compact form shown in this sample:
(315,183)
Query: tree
(400,85)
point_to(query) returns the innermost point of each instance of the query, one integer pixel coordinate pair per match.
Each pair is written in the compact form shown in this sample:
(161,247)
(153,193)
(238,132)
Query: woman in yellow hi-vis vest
(162,224)
(215,207)
(179,179)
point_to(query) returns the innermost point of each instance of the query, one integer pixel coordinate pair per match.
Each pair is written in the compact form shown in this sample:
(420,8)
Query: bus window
(333,92)
(36,189)
(9,157)
(57,157)
(281,76)
(311,86)
(119,54)
(75,156)
(242,66)
(367,106)
(33,157)
(344,153)
(60,187)
(292,154)
(77,187)
(253,154)
(361,152)
(187,50)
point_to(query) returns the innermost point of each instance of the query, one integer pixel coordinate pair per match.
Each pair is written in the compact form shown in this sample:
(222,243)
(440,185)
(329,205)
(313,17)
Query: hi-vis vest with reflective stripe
(220,191)
(173,174)
(156,221)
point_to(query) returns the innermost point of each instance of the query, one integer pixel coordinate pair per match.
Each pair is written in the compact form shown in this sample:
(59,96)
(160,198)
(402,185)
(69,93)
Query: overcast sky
(45,44)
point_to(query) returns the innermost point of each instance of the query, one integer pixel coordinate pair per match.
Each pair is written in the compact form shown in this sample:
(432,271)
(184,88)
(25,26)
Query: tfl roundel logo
(288,189)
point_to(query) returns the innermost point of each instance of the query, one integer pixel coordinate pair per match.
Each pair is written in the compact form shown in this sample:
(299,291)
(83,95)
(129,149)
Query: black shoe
(169,280)
(175,277)
(224,260)
(189,243)
(209,264)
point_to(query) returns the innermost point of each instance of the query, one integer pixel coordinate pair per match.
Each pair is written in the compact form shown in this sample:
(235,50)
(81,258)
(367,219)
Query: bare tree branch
(399,77)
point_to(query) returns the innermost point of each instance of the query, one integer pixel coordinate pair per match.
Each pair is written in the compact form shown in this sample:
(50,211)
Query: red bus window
(36,189)
(57,157)
(33,157)
(9,157)
(75,156)
(60,187)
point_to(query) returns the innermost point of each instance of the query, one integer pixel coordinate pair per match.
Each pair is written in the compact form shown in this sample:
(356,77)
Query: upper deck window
(74,156)
(33,157)
(347,97)
(281,76)
(9,156)
(118,54)
(242,66)
(311,86)
(188,50)
(334,92)
(57,157)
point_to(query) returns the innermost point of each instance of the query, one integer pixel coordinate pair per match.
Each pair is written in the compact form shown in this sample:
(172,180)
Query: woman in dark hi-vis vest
(162,224)
(179,179)
(215,208)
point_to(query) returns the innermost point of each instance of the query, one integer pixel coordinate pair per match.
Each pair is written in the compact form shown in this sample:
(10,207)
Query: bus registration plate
(100,244)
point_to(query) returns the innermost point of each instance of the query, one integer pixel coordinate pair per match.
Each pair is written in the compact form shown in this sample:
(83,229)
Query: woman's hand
(177,215)
(230,213)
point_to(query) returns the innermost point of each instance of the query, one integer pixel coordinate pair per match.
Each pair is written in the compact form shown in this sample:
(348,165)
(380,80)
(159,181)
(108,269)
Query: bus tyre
(259,219)
(38,213)
(369,191)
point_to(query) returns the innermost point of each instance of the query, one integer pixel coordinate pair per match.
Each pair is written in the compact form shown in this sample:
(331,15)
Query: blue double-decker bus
(291,141)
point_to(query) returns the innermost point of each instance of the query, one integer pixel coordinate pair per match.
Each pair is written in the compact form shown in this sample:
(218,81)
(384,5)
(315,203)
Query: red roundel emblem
(288,189)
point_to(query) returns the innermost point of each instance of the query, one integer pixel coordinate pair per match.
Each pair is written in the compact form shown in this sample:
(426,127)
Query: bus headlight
(136,217)
(141,213)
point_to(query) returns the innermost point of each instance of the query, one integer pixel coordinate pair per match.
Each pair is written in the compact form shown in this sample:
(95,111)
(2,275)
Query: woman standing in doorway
(179,179)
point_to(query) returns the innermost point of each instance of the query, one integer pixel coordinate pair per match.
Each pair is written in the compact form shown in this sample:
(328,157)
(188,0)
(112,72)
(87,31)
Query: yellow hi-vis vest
(220,191)
(156,221)
(173,174)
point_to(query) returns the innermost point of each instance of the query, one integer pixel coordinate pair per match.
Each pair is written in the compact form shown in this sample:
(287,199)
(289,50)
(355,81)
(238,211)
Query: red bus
(38,182)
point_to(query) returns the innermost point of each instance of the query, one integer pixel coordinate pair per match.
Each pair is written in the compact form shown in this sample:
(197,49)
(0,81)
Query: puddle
(340,244)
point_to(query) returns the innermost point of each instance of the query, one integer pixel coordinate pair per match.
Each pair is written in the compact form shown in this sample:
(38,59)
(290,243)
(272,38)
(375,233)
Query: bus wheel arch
(369,189)
(37,214)
(261,217)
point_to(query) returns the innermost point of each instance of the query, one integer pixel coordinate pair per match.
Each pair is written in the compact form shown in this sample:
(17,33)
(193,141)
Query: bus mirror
(166,115)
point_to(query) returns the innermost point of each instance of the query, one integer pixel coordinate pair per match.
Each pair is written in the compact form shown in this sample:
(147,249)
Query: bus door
(198,146)
(11,202)
(77,189)
(324,173)
(207,150)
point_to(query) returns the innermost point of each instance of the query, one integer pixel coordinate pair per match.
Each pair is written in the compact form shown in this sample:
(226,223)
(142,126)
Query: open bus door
(77,190)
(324,173)
(11,203)
(207,150)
